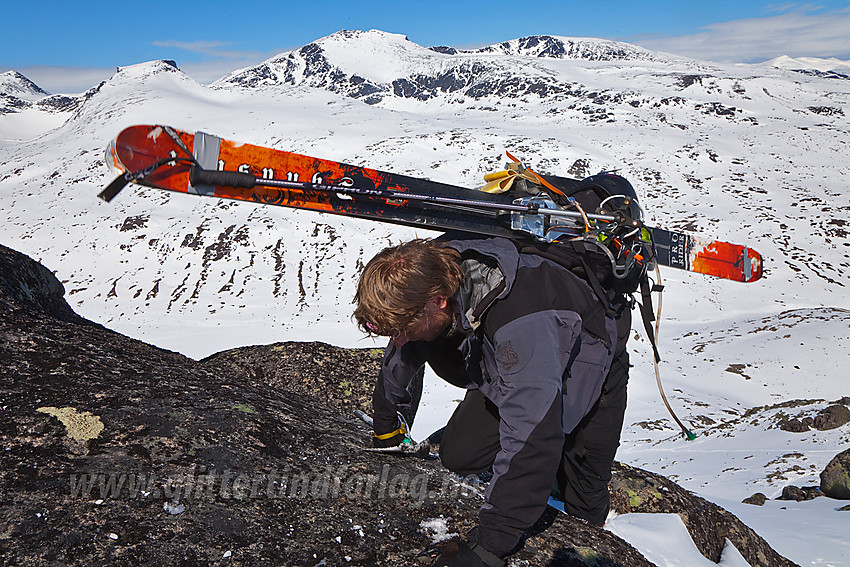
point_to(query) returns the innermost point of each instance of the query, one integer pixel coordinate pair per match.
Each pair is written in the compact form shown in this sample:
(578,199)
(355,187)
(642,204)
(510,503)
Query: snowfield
(749,154)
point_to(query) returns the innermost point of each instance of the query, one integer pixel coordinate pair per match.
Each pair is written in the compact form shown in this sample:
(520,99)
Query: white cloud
(209,48)
(206,72)
(65,80)
(799,33)
(74,80)
(217,60)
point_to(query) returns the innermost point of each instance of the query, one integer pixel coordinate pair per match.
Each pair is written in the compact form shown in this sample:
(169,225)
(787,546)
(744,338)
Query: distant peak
(359,34)
(556,47)
(149,69)
(813,63)
(14,83)
(168,65)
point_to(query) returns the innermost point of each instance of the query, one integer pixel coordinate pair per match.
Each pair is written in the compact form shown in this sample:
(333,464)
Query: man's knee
(471,438)
(451,457)
(464,458)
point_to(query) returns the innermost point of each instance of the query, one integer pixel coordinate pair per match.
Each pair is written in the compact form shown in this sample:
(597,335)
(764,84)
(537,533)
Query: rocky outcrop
(193,463)
(635,490)
(26,285)
(117,452)
(831,417)
(835,478)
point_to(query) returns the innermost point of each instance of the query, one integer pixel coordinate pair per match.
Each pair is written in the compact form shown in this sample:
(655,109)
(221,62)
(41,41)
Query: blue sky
(68,46)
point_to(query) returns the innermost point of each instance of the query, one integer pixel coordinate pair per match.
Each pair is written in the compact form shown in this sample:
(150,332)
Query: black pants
(471,442)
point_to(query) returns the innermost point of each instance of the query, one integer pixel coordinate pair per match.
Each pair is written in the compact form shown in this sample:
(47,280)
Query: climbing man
(544,363)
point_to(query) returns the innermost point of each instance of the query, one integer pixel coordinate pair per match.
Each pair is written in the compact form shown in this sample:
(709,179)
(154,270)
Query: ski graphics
(203,164)
(138,148)
(705,256)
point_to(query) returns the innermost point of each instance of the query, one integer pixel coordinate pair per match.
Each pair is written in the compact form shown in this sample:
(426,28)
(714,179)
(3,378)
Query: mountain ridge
(405,69)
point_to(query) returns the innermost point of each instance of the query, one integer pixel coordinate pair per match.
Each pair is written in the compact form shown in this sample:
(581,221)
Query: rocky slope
(118,452)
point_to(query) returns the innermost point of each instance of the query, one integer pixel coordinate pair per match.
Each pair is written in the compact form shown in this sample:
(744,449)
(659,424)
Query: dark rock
(444,49)
(342,379)
(10,104)
(684,81)
(60,103)
(757,499)
(823,74)
(27,285)
(635,490)
(832,417)
(812,492)
(826,110)
(800,494)
(835,478)
(794,425)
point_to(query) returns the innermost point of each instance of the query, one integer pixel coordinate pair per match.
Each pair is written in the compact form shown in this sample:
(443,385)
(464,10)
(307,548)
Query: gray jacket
(532,337)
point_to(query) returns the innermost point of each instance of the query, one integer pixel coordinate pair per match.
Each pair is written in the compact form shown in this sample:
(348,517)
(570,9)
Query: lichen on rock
(81,426)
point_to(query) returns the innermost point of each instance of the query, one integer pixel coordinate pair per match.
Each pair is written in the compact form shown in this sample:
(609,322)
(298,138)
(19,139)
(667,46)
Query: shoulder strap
(487,301)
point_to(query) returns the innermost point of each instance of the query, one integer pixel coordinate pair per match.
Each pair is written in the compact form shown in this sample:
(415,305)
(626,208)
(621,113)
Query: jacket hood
(500,251)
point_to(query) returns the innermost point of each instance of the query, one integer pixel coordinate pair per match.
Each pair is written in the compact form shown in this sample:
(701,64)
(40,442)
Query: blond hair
(397,283)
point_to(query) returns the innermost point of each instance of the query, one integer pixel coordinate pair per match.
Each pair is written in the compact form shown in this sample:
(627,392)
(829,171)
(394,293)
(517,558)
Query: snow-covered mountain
(28,110)
(838,68)
(13,84)
(343,63)
(745,153)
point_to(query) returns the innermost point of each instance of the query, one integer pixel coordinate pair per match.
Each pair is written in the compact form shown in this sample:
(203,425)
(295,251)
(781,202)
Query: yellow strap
(391,434)
(500,181)
(539,179)
(496,175)
(529,173)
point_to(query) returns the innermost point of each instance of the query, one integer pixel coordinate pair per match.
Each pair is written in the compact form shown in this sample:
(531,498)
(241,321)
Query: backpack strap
(595,284)
(487,301)
(646,312)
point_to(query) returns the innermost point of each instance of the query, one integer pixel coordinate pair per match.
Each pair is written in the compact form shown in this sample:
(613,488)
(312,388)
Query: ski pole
(236,179)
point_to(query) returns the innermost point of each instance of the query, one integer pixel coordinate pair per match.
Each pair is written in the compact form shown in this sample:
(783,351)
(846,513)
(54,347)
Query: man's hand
(393,438)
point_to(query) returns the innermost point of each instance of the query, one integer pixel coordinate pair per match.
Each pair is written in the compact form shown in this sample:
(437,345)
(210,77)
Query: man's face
(436,319)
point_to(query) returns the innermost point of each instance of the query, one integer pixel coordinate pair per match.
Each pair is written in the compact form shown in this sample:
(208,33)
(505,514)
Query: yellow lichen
(81,426)
(588,554)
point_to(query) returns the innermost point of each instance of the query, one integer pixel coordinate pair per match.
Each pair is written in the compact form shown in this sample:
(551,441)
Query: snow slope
(810,63)
(744,153)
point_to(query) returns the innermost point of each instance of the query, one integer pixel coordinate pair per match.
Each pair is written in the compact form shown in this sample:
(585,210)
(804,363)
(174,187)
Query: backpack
(615,265)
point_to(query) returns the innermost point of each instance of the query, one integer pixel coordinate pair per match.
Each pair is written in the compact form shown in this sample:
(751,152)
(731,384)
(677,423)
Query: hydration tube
(689,435)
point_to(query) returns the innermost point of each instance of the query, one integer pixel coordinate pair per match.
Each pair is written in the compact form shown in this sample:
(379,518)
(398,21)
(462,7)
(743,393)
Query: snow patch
(437,529)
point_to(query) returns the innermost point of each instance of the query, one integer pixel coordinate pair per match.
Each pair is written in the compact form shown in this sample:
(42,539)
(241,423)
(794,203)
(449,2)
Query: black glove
(382,442)
(461,554)
(392,438)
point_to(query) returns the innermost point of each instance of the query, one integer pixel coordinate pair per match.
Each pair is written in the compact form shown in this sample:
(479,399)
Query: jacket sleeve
(398,388)
(527,360)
